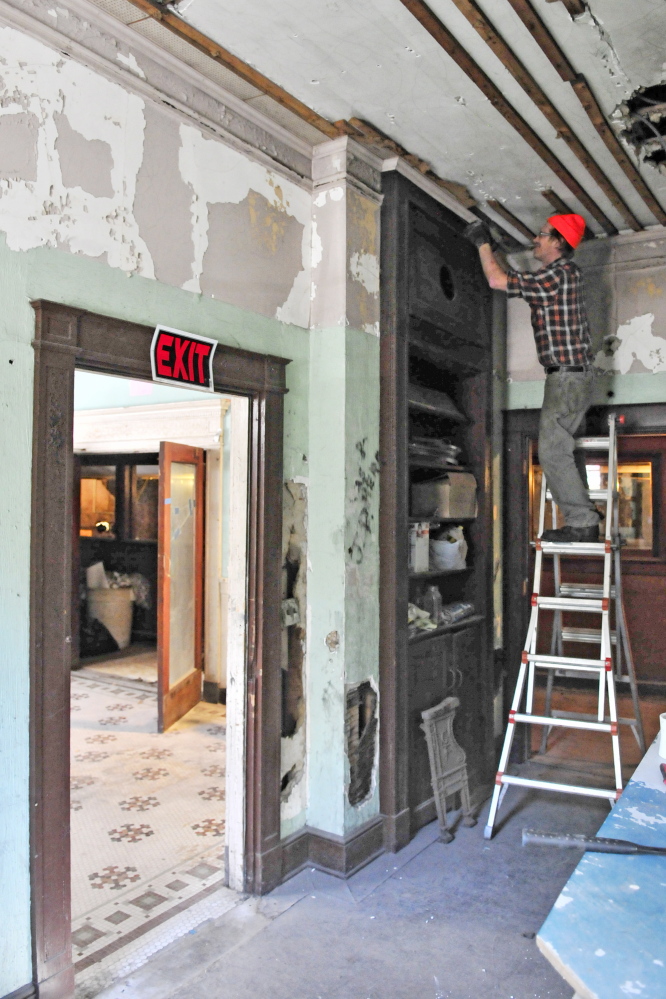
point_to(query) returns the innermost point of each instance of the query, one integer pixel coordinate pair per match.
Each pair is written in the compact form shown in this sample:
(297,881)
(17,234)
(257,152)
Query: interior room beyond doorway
(158,477)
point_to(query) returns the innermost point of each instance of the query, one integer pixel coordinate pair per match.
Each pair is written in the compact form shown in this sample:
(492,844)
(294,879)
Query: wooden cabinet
(436,338)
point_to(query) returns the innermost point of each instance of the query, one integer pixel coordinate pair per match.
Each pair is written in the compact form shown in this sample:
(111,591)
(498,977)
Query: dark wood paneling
(422,250)
(66,338)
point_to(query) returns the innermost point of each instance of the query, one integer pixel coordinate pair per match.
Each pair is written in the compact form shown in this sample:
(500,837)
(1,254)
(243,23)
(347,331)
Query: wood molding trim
(341,856)
(66,338)
(26,992)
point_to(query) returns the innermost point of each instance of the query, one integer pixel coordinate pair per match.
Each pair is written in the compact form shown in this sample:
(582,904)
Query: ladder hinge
(523,657)
(607,547)
(498,778)
(535,597)
(604,604)
(512,717)
(537,544)
(618,794)
(609,666)
(613,728)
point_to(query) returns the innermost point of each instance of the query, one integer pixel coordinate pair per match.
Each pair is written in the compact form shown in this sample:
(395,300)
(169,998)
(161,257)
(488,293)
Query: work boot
(569,535)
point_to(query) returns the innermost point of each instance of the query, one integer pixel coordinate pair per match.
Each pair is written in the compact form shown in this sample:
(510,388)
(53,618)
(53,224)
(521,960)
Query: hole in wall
(361,739)
(446,282)
(644,118)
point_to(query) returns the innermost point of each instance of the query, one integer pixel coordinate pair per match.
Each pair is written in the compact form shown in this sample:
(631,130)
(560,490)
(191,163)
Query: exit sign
(182,358)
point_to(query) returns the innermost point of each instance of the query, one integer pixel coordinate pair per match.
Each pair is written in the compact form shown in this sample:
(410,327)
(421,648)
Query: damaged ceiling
(521,101)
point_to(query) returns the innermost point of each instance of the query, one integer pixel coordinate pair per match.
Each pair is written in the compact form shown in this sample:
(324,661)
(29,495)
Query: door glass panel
(635,507)
(144,520)
(98,501)
(182,571)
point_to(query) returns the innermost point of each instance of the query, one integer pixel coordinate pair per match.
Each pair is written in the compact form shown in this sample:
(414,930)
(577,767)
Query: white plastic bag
(449,553)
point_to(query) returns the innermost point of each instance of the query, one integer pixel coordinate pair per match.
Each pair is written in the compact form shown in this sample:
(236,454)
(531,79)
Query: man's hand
(478,233)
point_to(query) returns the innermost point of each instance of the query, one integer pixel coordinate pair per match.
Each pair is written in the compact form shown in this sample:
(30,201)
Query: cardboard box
(450,497)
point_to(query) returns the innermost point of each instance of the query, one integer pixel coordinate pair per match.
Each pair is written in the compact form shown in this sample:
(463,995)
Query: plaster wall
(88,284)
(114,200)
(625,292)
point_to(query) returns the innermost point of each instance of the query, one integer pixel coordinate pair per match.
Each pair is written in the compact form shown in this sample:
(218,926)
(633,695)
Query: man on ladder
(554,294)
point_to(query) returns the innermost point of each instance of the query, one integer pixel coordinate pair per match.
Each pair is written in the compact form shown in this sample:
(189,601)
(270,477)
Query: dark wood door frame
(67,338)
(521,431)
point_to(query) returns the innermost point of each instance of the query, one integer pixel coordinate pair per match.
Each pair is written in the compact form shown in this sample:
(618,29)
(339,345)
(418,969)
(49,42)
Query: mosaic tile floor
(147,814)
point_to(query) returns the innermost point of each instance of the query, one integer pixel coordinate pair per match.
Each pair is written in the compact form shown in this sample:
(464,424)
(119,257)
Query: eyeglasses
(544,234)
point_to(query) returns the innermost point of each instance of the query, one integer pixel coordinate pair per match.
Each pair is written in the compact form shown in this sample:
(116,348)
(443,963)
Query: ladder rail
(614,645)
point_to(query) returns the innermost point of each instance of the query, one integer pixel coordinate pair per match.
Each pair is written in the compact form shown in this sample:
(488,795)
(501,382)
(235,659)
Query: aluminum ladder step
(590,605)
(587,636)
(592,443)
(584,590)
(585,717)
(610,794)
(566,662)
(553,721)
(573,547)
(597,495)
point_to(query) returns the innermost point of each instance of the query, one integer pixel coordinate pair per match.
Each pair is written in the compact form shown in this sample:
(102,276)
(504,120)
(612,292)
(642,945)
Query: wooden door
(180,581)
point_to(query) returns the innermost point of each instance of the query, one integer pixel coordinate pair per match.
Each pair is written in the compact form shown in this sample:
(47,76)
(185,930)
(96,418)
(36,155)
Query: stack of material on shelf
(420,619)
(434,450)
(430,401)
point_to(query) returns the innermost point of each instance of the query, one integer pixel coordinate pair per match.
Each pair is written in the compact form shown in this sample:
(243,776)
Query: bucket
(114,609)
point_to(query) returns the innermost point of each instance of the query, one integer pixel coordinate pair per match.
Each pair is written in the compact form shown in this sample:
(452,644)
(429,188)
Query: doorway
(67,339)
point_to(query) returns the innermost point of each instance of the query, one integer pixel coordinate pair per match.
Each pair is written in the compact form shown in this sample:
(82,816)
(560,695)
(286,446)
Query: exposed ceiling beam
(575,7)
(462,58)
(562,208)
(557,57)
(485,29)
(236,65)
(509,217)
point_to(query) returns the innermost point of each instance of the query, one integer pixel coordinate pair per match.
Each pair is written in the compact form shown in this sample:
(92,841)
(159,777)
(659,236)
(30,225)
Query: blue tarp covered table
(606,933)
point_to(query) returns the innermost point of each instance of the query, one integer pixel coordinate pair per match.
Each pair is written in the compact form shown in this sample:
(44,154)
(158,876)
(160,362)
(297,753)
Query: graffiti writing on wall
(364,488)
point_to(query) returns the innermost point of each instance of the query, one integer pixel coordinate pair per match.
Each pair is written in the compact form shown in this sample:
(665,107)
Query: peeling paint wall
(294,643)
(90,167)
(625,291)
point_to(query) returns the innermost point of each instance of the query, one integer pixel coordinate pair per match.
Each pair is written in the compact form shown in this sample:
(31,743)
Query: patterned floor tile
(120,775)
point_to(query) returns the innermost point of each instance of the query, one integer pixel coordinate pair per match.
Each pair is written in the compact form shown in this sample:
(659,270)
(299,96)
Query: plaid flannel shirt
(559,321)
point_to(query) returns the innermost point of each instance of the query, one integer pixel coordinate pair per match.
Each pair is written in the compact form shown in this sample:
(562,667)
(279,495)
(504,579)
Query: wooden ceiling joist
(509,217)
(505,54)
(461,57)
(557,57)
(562,208)
(575,7)
(236,65)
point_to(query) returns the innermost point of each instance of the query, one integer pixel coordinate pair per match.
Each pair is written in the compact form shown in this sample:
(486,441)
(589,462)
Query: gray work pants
(566,398)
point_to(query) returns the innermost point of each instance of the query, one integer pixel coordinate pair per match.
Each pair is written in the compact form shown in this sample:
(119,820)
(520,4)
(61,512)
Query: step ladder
(615,661)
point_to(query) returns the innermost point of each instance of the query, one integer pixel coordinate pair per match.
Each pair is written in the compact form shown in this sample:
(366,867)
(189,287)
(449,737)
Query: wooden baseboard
(341,856)
(396,830)
(423,815)
(25,992)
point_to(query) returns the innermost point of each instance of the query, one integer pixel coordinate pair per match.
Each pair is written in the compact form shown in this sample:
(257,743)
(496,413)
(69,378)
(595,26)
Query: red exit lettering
(179,357)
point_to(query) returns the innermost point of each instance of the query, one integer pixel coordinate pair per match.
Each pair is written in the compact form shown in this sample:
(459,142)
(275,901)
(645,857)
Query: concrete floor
(434,921)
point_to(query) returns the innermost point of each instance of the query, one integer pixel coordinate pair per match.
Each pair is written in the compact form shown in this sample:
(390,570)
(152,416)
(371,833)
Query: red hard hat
(572,227)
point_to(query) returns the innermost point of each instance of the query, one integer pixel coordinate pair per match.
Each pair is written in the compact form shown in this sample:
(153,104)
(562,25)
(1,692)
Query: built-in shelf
(441,520)
(433,573)
(436,403)
(434,463)
(445,629)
